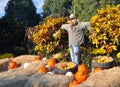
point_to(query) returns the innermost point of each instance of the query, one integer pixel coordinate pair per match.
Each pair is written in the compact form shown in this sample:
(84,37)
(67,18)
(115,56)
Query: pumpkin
(73,83)
(42,69)
(81,76)
(26,65)
(83,67)
(69,73)
(12,65)
(37,58)
(50,73)
(51,62)
(44,58)
(97,70)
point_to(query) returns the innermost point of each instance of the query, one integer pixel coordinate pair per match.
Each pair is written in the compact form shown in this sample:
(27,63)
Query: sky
(38,4)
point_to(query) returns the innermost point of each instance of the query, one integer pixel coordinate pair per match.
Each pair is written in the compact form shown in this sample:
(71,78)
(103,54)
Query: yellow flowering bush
(47,39)
(106,26)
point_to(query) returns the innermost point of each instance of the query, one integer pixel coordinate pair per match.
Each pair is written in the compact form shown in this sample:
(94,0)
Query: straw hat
(72,16)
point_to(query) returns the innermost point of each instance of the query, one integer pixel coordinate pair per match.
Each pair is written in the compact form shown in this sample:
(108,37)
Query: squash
(83,67)
(42,69)
(26,65)
(51,62)
(73,83)
(69,74)
(12,65)
(81,76)
(37,58)
(97,70)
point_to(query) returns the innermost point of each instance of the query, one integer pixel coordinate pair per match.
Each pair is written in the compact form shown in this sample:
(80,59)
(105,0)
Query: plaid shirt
(76,35)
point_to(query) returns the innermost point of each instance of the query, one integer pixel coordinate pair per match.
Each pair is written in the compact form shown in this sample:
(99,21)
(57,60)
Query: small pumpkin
(37,58)
(26,65)
(81,76)
(42,69)
(69,74)
(51,62)
(50,73)
(12,65)
(97,70)
(44,58)
(83,67)
(73,83)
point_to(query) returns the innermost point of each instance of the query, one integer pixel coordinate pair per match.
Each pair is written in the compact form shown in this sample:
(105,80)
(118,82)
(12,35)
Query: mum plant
(106,25)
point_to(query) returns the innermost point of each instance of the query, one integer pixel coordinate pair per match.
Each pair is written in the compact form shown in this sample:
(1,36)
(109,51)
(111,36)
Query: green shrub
(6,55)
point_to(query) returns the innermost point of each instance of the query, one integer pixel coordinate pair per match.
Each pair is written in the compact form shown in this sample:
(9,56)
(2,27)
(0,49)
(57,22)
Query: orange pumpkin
(73,83)
(51,63)
(12,65)
(81,76)
(42,69)
(97,70)
(37,58)
(83,67)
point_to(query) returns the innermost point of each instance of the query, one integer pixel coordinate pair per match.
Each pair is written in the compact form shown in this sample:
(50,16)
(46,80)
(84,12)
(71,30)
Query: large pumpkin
(42,69)
(73,83)
(83,67)
(81,76)
(12,65)
(51,62)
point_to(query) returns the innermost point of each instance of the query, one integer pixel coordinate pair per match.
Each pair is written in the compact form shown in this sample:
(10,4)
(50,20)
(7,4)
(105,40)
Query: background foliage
(22,11)
(57,8)
(82,8)
(11,35)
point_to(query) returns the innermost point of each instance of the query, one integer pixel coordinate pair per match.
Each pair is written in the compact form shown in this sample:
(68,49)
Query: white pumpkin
(26,65)
(50,73)
(69,73)
(44,58)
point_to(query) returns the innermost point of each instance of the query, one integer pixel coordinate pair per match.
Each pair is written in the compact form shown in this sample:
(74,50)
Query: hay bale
(104,78)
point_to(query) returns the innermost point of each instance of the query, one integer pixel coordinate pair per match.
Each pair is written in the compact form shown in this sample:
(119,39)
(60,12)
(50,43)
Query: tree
(85,9)
(22,11)
(11,35)
(57,8)
(117,2)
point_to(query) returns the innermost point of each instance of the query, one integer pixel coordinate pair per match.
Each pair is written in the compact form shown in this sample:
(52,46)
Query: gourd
(12,65)
(42,69)
(73,83)
(82,73)
(26,65)
(97,70)
(81,76)
(51,62)
(69,73)
(83,67)
(37,58)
